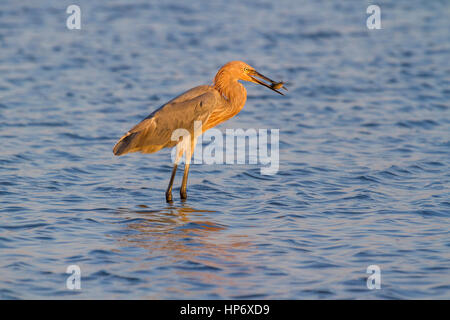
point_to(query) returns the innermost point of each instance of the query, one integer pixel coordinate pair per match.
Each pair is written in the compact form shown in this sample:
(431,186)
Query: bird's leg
(183,191)
(189,153)
(179,154)
(169,188)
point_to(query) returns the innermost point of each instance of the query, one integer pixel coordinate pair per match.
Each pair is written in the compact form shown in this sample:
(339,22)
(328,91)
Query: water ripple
(363,168)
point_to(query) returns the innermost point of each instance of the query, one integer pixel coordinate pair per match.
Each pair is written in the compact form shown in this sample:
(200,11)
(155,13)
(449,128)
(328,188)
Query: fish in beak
(272,86)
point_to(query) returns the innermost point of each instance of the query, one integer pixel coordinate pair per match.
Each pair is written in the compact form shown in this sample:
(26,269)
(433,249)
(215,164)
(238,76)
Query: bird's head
(239,70)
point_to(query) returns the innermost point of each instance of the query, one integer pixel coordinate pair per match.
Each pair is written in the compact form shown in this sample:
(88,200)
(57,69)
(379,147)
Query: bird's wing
(155,131)
(191,94)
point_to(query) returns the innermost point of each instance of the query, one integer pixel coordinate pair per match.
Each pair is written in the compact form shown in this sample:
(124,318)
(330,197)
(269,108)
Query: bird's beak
(273,85)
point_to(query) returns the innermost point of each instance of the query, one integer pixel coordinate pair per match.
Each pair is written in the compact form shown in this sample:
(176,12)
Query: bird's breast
(222,114)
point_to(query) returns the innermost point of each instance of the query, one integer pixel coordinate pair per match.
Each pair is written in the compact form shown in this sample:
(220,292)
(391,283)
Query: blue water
(364,151)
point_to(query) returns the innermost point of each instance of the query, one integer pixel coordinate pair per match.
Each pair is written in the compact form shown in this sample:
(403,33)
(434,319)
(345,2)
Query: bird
(208,105)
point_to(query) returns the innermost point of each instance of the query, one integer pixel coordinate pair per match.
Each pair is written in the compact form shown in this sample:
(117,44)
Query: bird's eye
(245,69)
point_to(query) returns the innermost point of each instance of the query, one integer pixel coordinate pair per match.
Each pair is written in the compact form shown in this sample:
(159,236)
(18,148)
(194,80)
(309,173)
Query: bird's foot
(169,196)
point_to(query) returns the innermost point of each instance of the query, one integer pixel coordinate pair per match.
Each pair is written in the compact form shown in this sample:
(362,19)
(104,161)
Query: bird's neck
(232,90)
(234,95)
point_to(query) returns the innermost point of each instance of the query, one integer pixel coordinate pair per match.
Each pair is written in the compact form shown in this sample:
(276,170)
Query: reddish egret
(211,105)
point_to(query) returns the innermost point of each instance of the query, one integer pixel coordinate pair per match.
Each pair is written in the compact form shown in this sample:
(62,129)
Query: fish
(278,85)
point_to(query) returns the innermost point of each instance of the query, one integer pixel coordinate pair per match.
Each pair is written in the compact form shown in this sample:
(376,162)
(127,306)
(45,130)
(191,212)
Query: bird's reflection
(188,243)
(178,232)
(184,219)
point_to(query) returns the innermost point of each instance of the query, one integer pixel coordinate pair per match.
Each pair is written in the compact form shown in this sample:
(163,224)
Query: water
(364,152)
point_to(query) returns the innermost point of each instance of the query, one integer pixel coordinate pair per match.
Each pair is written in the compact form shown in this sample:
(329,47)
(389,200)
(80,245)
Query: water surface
(364,152)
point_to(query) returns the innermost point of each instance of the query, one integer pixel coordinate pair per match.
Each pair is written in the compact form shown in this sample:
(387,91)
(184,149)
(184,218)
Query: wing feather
(155,132)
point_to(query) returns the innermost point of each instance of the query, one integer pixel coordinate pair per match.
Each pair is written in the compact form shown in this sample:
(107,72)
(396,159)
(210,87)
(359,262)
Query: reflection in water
(190,243)
(169,219)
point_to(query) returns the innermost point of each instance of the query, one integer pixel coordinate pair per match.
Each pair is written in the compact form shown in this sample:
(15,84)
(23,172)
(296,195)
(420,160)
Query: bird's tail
(125,144)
